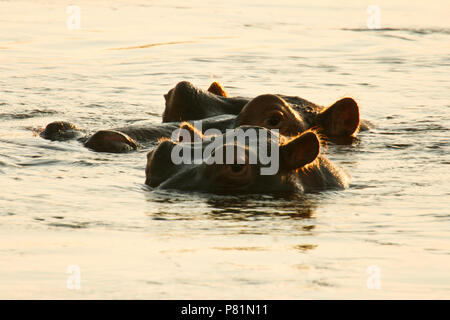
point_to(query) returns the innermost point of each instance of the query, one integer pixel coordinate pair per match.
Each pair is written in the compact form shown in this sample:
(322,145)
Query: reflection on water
(251,209)
(62,204)
(239,208)
(420,31)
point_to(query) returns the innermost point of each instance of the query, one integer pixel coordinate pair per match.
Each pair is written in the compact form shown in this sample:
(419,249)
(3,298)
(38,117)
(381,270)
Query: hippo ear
(189,133)
(341,118)
(217,89)
(299,151)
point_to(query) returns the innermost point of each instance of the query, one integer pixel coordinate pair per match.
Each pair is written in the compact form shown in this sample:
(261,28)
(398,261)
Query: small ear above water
(191,134)
(341,118)
(299,151)
(217,89)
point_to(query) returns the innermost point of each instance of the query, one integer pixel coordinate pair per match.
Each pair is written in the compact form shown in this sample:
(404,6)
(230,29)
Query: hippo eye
(237,170)
(274,120)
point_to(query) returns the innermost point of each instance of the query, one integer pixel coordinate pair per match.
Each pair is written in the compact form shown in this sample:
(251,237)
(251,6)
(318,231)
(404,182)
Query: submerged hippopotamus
(299,167)
(267,110)
(186,102)
(116,140)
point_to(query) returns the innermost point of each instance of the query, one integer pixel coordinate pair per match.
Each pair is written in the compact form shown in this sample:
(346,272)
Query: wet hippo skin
(339,119)
(117,140)
(186,102)
(301,168)
(269,111)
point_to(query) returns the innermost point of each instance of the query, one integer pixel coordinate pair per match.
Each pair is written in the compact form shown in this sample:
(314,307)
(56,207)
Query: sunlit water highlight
(63,205)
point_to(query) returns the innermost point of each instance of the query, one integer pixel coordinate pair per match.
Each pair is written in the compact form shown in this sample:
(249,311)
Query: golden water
(62,205)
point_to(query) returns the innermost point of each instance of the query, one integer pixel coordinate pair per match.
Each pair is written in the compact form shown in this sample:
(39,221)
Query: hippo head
(271,112)
(230,165)
(186,102)
(60,131)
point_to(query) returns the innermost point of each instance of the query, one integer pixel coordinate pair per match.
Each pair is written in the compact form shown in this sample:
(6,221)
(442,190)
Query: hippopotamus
(116,140)
(301,167)
(267,110)
(186,102)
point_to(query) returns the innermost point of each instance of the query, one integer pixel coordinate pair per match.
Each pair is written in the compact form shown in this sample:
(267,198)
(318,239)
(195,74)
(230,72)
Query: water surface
(64,205)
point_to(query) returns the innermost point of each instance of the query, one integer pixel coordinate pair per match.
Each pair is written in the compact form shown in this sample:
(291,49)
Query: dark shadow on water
(420,31)
(26,114)
(193,205)
(258,207)
(339,140)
